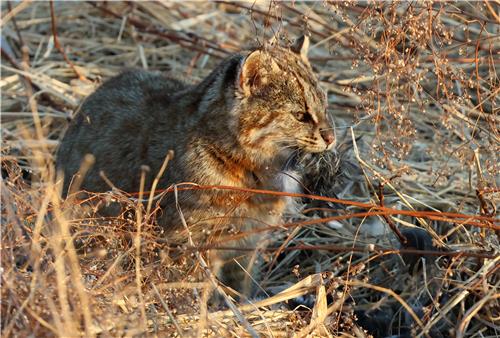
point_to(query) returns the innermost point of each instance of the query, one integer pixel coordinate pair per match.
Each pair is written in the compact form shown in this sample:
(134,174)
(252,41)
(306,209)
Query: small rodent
(238,127)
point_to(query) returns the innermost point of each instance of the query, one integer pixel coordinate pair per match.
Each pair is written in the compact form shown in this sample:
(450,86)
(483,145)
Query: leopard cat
(238,127)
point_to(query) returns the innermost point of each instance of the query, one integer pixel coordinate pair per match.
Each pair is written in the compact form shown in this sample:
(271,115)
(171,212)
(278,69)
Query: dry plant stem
(57,316)
(6,199)
(137,245)
(248,275)
(444,216)
(304,286)
(320,312)
(478,78)
(489,222)
(268,15)
(32,313)
(76,273)
(11,14)
(336,248)
(170,36)
(109,183)
(9,58)
(167,310)
(492,11)
(385,181)
(24,64)
(392,294)
(31,99)
(36,252)
(484,205)
(169,156)
(362,51)
(473,310)
(111,269)
(206,291)
(56,241)
(18,33)
(282,246)
(489,267)
(211,277)
(86,165)
(58,45)
(344,217)
(47,85)
(39,160)
(402,239)
(349,264)
(296,11)
(252,303)
(219,46)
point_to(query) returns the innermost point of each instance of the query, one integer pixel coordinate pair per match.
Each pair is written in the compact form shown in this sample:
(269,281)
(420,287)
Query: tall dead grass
(413,88)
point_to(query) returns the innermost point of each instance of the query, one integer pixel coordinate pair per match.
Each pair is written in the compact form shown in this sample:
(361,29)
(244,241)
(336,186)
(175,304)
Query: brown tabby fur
(238,127)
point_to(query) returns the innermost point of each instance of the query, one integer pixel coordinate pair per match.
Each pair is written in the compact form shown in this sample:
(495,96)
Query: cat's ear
(301,47)
(255,70)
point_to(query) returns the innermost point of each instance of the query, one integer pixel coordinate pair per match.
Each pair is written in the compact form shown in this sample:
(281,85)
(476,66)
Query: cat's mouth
(318,149)
(318,146)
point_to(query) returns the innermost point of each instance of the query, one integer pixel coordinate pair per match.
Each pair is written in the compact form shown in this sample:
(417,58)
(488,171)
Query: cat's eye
(303,116)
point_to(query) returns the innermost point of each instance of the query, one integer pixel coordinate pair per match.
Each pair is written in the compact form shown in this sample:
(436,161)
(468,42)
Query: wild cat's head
(281,105)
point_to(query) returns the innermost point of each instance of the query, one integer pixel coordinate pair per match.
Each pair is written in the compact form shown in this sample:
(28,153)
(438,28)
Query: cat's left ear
(301,47)
(255,71)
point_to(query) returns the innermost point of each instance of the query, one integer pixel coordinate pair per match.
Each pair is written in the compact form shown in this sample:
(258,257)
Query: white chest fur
(290,181)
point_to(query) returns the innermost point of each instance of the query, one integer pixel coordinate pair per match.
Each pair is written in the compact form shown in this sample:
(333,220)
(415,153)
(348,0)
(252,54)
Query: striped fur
(238,127)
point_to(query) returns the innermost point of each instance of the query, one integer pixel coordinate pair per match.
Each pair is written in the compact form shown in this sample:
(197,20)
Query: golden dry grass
(417,81)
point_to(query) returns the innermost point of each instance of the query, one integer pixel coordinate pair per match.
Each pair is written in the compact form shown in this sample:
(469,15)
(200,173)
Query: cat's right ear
(249,72)
(254,71)
(301,47)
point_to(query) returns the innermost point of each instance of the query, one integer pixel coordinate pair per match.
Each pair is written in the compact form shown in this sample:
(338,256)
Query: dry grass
(417,81)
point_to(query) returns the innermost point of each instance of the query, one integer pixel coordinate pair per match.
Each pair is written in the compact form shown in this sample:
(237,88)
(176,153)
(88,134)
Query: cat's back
(130,95)
(112,121)
(130,90)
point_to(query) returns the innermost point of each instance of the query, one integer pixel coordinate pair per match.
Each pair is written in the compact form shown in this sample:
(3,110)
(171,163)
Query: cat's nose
(327,135)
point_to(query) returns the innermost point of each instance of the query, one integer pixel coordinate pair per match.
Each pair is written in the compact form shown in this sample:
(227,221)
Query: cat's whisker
(283,148)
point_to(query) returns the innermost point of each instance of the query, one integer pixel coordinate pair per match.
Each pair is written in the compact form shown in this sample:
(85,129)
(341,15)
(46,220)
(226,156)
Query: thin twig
(167,310)
(58,45)
(402,239)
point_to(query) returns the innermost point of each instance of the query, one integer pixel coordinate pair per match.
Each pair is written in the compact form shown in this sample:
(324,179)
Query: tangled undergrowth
(398,234)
